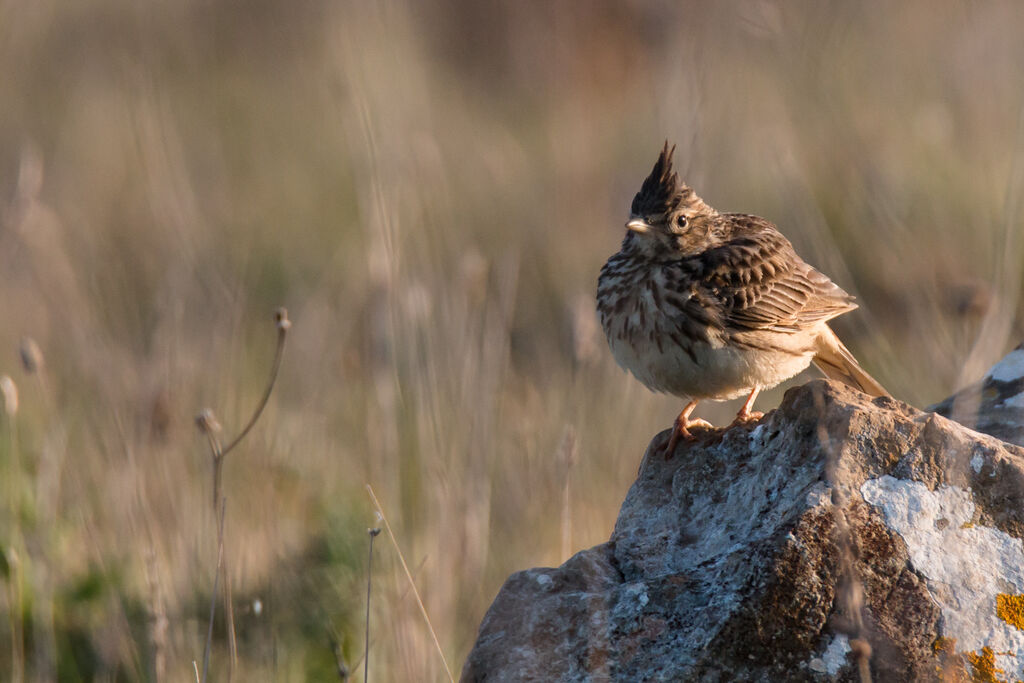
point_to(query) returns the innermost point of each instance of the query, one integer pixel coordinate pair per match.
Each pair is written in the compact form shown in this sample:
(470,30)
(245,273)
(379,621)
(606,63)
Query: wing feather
(762,284)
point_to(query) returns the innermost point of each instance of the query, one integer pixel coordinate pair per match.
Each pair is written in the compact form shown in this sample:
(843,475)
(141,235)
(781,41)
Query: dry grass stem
(369,582)
(158,621)
(412,584)
(208,425)
(213,596)
(282,324)
(14,597)
(568,451)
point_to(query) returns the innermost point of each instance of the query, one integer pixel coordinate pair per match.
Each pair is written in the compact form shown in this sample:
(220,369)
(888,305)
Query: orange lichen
(984,665)
(951,666)
(1010,608)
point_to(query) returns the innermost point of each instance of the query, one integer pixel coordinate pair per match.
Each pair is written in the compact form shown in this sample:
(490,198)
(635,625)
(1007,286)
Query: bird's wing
(761,283)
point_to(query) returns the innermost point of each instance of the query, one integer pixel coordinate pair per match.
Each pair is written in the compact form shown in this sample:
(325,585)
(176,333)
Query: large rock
(840,538)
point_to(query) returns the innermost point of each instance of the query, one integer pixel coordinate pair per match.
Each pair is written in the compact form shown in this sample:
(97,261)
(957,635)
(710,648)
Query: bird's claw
(747,417)
(682,431)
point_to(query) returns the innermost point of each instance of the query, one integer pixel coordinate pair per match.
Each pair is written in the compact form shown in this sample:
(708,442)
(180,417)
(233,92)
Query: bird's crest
(662,191)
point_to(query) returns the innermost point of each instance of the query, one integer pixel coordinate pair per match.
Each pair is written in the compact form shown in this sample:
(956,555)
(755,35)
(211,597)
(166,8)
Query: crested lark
(709,305)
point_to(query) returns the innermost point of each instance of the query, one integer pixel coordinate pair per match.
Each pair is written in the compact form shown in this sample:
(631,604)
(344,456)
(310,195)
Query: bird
(715,306)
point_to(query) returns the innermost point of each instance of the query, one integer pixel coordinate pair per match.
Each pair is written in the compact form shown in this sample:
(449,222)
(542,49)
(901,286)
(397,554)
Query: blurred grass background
(430,188)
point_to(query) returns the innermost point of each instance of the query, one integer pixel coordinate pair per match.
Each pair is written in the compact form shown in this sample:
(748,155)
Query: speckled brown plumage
(706,305)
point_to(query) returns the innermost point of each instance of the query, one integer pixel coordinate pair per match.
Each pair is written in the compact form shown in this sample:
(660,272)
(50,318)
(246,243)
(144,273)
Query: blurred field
(430,188)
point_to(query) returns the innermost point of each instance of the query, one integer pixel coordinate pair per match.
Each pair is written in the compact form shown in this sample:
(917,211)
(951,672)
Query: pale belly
(714,372)
(645,333)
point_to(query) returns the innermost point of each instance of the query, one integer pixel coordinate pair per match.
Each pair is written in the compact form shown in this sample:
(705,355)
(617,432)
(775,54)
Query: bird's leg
(746,414)
(681,428)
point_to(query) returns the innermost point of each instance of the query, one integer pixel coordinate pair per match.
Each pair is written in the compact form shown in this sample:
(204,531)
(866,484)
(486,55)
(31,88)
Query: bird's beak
(638,225)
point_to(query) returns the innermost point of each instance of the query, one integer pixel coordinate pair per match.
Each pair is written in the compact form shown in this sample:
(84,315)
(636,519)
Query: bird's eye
(681,221)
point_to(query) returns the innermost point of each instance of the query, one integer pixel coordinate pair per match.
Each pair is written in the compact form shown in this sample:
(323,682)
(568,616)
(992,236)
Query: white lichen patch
(965,568)
(820,494)
(835,654)
(833,658)
(977,462)
(1009,368)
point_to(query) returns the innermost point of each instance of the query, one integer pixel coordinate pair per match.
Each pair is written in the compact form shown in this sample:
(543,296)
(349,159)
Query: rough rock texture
(840,535)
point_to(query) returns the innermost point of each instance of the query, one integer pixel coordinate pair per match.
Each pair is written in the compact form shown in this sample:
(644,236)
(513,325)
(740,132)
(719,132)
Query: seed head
(10,391)
(31,356)
(207,422)
(281,320)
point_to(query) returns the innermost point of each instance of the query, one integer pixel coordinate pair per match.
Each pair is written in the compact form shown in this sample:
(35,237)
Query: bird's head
(667,217)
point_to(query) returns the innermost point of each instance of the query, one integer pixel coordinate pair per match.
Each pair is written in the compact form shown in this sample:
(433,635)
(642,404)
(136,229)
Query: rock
(839,536)
(995,405)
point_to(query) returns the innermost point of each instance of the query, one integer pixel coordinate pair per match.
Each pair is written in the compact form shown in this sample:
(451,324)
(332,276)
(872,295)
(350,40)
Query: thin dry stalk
(568,460)
(229,616)
(39,544)
(369,582)
(283,324)
(213,598)
(861,649)
(209,427)
(158,621)
(14,580)
(412,584)
(14,589)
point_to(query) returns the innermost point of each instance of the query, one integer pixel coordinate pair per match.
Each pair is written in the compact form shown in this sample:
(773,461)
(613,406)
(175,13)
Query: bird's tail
(836,361)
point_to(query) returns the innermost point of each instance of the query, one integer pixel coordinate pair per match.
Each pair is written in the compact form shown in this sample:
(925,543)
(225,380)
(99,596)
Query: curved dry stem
(218,455)
(207,424)
(283,325)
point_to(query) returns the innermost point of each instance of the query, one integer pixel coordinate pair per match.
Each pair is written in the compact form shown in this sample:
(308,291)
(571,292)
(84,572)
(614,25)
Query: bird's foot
(746,416)
(681,430)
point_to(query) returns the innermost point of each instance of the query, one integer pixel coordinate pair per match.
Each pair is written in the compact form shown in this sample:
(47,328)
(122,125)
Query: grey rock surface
(839,535)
